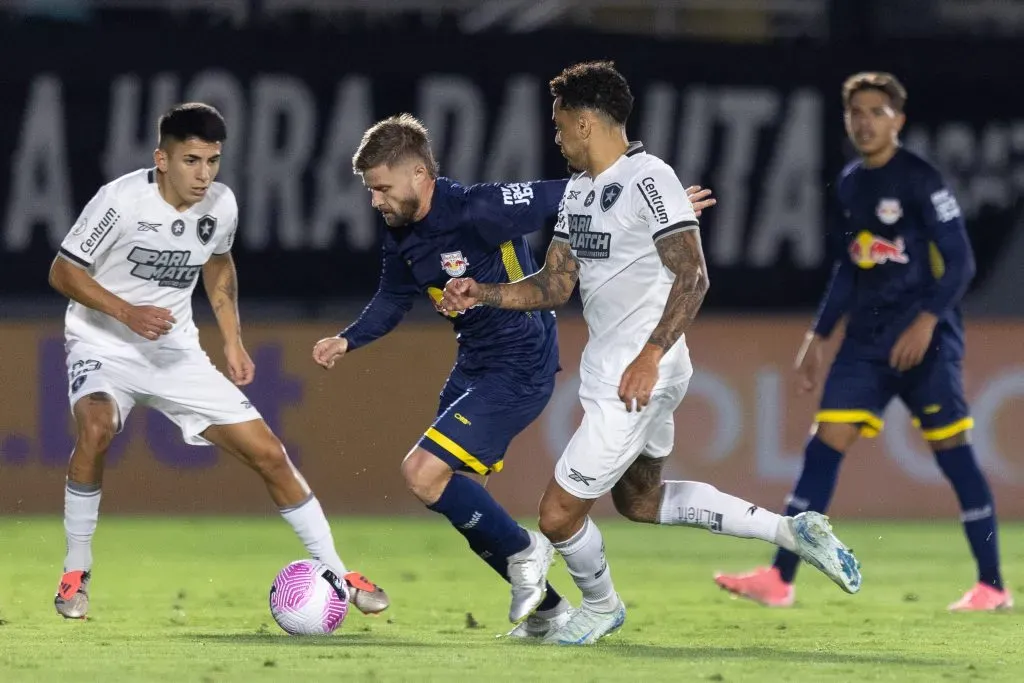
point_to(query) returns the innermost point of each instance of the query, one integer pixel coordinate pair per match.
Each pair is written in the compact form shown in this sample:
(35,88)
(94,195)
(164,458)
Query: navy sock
(491,532)
(977,509)
(813,491)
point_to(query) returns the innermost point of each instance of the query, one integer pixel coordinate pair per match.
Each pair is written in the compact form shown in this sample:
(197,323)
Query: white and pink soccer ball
(308,598)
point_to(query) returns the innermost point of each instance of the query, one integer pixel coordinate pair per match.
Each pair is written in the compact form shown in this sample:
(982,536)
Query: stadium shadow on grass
(763,653)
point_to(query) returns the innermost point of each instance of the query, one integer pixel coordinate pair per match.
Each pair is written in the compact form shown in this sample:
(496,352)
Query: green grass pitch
(185,599)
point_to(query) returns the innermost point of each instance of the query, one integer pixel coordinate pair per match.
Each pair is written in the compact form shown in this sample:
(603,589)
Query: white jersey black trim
(74,259)
(681,226)
(151,176)
(635,147)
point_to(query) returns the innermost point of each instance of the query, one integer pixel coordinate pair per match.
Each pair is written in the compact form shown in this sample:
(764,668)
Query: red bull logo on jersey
(868,250)
(454,263)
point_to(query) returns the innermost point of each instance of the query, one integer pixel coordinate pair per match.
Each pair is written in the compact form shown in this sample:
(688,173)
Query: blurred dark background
(741,96)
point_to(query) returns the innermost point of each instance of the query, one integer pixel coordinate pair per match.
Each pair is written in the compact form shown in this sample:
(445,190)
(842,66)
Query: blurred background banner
(739,95)
(741,426)
(760,124)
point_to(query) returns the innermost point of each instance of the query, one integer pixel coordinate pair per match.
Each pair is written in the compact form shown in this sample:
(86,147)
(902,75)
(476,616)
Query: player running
(129,266)
(905,263)
(507,360)
(628,232)
(505,371)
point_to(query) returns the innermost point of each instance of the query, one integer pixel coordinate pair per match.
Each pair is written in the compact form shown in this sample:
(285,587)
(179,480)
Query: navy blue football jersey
(475,231)
(903,249)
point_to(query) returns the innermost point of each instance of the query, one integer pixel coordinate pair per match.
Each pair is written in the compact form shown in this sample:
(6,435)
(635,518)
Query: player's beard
(405,212)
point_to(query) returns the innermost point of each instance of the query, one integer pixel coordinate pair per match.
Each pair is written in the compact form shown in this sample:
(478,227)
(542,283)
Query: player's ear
(161,159)
(584,125)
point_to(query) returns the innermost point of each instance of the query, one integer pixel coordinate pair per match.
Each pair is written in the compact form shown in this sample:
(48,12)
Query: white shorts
(180,383)
(609,439)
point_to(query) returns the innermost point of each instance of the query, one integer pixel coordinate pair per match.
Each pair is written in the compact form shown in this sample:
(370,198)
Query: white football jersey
(611,224)
(140,248)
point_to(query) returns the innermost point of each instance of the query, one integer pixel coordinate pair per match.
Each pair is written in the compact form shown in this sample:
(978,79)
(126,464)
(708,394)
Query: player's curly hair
(393,140)
(597,86)
(875,80)
(191,120)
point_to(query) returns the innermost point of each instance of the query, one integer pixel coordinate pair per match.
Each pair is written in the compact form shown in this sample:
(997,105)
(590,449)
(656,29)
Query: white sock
(312,528)
(81,513)
(584,556)
(694,503)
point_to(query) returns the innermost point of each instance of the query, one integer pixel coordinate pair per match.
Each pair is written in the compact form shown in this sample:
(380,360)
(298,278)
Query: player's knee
(425,475)
(270,459)
(95,435)
(558,522)
(839,436)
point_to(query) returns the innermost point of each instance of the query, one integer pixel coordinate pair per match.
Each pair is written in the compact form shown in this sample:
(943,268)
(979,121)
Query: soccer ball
(308,598)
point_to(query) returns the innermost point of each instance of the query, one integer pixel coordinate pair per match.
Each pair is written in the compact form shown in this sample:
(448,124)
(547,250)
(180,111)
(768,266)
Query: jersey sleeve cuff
(77,260)
(681,226)
(561,236)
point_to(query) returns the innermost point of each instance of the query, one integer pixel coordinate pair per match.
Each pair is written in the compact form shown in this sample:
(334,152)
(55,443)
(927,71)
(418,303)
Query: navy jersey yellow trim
(473,231)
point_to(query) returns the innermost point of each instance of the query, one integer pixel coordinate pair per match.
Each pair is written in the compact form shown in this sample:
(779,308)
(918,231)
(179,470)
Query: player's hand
(910,349)
(460,295)
(241,369)
(700,197)
(808,363)
(149,322)
(639,379)
(328,350)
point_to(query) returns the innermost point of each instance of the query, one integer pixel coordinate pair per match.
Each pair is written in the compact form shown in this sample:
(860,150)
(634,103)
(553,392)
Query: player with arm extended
(129,266)
(506,363)
(507,360)
(906,261)
(629,234)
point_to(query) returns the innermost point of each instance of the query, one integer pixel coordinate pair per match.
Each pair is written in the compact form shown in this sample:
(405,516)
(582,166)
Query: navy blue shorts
(858,390)
(478,418)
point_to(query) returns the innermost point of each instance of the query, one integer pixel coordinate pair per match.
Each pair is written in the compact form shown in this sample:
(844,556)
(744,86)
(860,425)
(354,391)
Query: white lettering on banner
(40,193)
(220,89)
(290,170)
(984,164)
(454,113)
(516,146)
(341,197)
(743,113)
(775,460)
(131,130)
(767,212)
(283,135)
(790,209)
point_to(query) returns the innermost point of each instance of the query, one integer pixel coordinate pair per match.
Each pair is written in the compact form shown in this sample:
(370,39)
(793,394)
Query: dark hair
(875,80)
(192,120)
(393,140)
(597,86)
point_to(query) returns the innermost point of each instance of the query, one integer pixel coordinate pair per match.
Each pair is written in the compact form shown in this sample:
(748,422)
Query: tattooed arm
(221,283)
(682,254)
(549,287)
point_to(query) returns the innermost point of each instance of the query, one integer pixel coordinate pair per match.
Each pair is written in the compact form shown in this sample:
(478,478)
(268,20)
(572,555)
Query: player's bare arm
(220,280)
(682,254)
(75,282)
(549,287)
